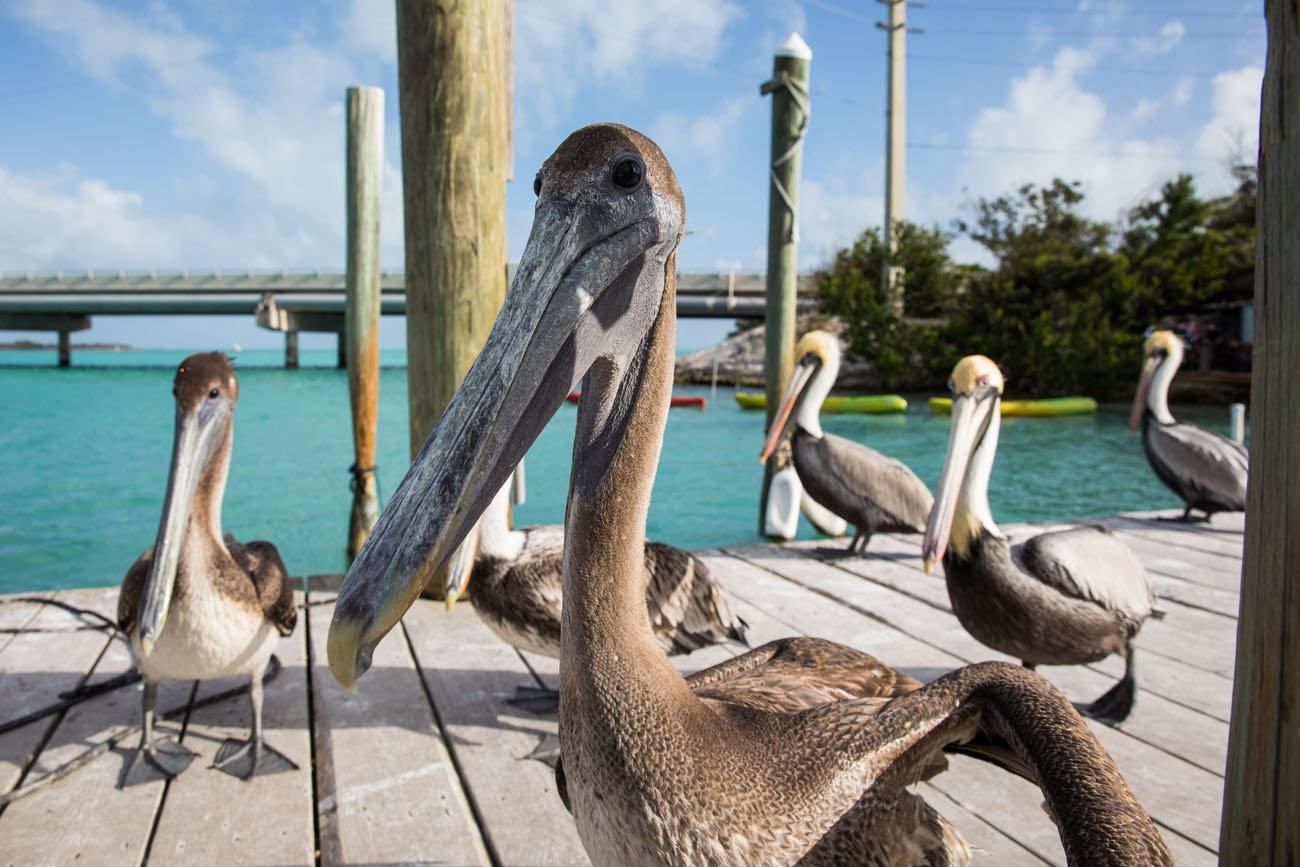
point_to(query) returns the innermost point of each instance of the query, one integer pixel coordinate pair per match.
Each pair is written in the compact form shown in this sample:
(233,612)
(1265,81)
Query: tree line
(1064,308)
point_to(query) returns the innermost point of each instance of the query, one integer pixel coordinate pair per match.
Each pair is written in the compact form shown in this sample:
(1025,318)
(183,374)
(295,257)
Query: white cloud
(1051,127)
(1169,36)
(831,219)
(274,118)
(1183,90)
(61,219)
(1233,131)
(1145,108)
(711,137)
(615,43)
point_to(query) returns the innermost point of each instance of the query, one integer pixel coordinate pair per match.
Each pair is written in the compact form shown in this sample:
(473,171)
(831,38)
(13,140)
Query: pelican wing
(688,608)
(796,674)
(1202,461)
(262,562)
(128,598)
(1090,563)
(849,479)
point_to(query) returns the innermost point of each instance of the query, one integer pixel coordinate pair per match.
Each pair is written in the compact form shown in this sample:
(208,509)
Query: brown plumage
(200,604)
(655,773)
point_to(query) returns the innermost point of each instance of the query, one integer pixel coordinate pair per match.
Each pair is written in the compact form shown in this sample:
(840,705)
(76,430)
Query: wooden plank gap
(167,784)
(311,722)
(461,778)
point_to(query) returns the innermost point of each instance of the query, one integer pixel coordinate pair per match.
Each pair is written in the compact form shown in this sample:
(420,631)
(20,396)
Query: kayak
(875,404)
(1050,406)
(690,401)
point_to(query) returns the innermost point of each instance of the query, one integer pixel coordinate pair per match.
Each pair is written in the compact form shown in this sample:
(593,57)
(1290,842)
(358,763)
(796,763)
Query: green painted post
(790,114)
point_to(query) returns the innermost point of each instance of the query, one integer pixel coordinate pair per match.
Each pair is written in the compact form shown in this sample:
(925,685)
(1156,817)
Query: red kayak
(692,402)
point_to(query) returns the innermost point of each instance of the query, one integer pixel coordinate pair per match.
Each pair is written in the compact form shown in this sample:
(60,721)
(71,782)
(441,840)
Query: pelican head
(976,385)
(817,363)
(1162,355)
(206,391)
(588,290)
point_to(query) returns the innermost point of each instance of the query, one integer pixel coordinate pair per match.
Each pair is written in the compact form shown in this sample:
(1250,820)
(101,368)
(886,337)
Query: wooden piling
(342,351)
(291,350)
(454,62)
(65,349)
(1261,804)
(359,345)
(790,115)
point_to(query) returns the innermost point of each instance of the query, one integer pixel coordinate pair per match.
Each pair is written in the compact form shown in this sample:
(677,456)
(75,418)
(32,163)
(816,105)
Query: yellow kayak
(1029,408)
(874,404)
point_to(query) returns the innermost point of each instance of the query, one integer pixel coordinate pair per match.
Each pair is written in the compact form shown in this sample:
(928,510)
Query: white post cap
(795,47)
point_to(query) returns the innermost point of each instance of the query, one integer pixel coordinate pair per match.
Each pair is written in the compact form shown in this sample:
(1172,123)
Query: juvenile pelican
(656,773)
(871,491)
(196,605)
(1206,470)
(518,588)
(1062,598)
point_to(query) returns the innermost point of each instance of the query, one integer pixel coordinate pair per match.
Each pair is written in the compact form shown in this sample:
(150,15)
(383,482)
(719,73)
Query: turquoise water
(84,455)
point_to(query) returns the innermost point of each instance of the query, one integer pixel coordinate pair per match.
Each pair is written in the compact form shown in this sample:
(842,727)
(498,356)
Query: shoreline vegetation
(32,345)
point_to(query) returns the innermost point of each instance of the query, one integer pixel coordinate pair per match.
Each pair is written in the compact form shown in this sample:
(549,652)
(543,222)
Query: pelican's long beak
(461,566)
(196,439)
(970,418)
(575,298)
(799,379)
(1144,386)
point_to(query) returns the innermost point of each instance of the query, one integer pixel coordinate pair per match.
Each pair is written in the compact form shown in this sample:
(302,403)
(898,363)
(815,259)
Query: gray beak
(572,301)
(197,437)
(970,417)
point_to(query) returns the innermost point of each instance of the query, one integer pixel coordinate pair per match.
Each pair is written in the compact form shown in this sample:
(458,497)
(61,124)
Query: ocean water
(84,456)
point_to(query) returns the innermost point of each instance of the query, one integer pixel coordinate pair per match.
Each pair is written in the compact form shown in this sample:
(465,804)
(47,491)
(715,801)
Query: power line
(1013,149)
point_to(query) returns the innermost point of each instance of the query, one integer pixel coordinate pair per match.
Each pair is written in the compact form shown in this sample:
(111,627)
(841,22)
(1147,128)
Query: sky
(191,135)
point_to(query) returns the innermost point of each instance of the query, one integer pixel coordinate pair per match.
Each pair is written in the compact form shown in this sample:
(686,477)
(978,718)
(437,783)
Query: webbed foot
(251,758)
(161,760)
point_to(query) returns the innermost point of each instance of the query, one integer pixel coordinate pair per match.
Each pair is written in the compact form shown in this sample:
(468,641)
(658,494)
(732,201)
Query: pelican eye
(537,184)
(628,173)
(214,394)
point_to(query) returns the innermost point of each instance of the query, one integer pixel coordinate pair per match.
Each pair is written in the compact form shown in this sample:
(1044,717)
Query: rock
(740,357)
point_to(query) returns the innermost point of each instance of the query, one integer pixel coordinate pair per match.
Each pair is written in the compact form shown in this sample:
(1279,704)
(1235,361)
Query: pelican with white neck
(1206,470)
(869,490)
(1062,598)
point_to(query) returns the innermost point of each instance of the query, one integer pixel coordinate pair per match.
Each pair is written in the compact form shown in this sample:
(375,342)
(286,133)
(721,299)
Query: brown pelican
(197,605)
(1061,598)
(1206,470)
(517,578)
(869,490)
(655,772)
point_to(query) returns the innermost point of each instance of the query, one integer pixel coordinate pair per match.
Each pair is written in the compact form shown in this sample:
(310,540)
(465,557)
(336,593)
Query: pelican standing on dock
(871,491)
(655,772)
(1062,598)
(518,590)
(1206,470)
(196,605)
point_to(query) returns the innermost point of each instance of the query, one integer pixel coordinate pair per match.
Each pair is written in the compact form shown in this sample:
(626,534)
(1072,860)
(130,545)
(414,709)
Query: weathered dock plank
(386,788)
(470,672)
(53,655)
(210,817)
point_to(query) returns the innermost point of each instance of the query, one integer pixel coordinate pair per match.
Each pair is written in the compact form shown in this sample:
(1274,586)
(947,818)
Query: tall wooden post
(454,62)
(1261,803)
(359,345)
(790,114)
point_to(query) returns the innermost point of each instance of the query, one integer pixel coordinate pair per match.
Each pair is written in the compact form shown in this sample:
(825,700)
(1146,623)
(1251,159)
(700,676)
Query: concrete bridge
(288,302)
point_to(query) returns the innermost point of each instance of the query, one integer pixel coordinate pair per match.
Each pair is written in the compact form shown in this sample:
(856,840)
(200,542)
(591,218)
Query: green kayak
(1029,408)
(875,404)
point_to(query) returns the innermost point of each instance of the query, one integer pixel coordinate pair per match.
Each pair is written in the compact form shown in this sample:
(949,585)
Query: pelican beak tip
(449,601)
(146,645)
(349,657)
(929,565)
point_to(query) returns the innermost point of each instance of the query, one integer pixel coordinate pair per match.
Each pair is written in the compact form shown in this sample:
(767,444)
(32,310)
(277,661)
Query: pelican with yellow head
(1067,597)
(1206,470)
(871,491)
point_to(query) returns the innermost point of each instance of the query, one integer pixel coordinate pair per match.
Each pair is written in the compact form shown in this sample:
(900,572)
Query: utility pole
(891,275)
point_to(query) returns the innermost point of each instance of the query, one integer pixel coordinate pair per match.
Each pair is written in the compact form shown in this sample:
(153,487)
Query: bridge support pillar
(343,351)
(291,350)
(65,349)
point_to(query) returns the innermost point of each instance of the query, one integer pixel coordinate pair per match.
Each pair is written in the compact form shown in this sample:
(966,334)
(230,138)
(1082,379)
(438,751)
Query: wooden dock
(427,764)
